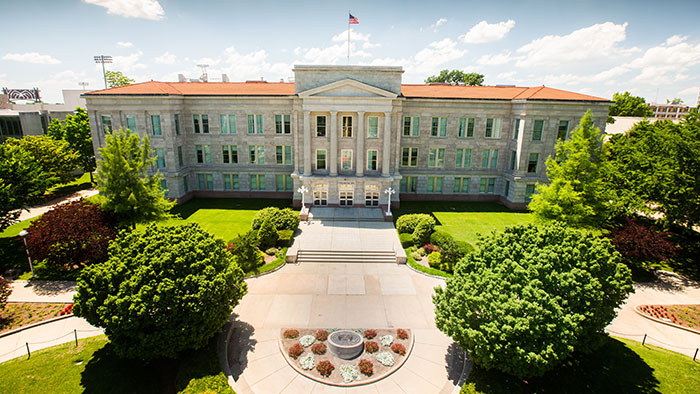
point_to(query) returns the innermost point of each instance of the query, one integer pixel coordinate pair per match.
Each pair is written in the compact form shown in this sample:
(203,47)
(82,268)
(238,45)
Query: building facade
(669,111)
(346,133)
(19,120)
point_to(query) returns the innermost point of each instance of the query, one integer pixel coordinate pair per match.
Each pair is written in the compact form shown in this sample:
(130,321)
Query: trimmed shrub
(421,235)
(369,334)
(399,348)
(282,219)
(371,346)
(296,350)
(408,223)
(325,368)
(319,348)
(284,238)
(267,235)
(291,334)
(245,249)
(271,251)
(366,367)
(321,335)
(406,240)
(416,256)
(435,260)
(401,333)
(439,238)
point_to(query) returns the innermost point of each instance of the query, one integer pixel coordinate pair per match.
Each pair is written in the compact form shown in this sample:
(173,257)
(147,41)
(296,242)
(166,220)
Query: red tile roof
(260,88)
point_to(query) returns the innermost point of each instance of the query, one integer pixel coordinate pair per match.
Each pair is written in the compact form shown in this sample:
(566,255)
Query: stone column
(360,154)
(295,137)
(386,144)
(333,159)
(307,143)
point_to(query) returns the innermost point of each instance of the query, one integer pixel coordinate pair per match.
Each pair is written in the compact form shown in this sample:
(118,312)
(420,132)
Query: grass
(465,220)
(428,270)
(620,366)
(93,367)
(81,182)
(18,314)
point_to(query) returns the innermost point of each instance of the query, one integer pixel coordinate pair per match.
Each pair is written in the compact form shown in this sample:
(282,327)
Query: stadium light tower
(103,59)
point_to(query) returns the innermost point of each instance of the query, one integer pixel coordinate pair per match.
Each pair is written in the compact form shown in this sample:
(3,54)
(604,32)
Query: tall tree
(75,130)
(55,157)
(122,178)
(577,193)
(116,79)
(457,77)
(628,105)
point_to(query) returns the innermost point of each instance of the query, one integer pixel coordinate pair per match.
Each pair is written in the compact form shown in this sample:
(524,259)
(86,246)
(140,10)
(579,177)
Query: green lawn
(464,220)
(620,366)
(93,367)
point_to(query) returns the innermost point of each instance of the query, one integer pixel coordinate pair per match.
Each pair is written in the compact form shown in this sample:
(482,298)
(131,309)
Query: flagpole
(348,37)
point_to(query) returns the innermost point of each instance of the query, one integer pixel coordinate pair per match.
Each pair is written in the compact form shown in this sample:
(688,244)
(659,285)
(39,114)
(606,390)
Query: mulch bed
(683,315)
(18,314)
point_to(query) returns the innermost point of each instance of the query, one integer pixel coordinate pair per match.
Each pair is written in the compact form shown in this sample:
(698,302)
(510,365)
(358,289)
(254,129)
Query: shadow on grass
(108,373)
(190,207)
(614,368)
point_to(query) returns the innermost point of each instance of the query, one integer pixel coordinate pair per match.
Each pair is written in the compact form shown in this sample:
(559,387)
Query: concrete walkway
(340,295)
(671,289)
(43,208)
(42,291)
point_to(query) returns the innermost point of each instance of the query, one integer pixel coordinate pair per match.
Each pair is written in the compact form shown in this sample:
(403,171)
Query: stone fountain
(345,344)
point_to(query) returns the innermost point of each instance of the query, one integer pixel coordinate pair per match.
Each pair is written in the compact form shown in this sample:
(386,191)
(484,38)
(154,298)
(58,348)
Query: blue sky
(650,48)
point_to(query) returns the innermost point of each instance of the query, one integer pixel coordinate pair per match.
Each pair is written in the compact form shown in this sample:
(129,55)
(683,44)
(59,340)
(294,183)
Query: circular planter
(345,344)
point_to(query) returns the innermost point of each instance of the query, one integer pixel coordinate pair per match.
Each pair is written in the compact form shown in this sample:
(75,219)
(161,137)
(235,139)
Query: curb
(463,376)
(267,272)
(668,323)
(16,330)
(425,273)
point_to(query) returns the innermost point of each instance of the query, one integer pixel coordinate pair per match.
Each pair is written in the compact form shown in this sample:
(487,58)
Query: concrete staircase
(346,256)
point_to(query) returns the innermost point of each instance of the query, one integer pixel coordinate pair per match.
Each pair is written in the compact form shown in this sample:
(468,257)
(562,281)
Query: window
(408,184)
(463,158)
(434,184)
(284,183)
(537,130)
(507,193)
(160,157)
(321,126)
(411,126)
(486,185)
(180,161)
(255,122)
(230,181)
(466,127)
(347,126)
(439,127)
(516,132)
(131,123)
(155,125)
(491,154)
(371,160)
(257,182)
(409,157)
(346,159)
(206,181)
(283,124)
(106,124)
(203,153)
(229,154)
(436,158)
(563,129)
(513,160)
(320,194)
(256,153)
(228,124)
(321,159)
(372,130)
(532,162)
(283,154)
(461,185)
(177,124)
(201,124)
(493,128)
(164,187)
(185,184)
(372,195)
(529,191)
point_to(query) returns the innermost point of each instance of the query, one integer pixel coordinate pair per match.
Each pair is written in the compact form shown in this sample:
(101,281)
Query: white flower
(385,358)
(307,362)
(307,340)
(387,340)
(349,372)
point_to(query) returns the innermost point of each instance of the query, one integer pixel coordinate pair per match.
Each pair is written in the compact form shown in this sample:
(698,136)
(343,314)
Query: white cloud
(122,44)
(436,54)
(495,60)
(354,36)
(369,45)
(50,86)
(145,9)
(576,79)
(253,65)
(31,57)
(668,62)
(438,23)
(690,90)
(484,32)
(127,63)
(165,58)
(506,75)
(589,42)
(676,39)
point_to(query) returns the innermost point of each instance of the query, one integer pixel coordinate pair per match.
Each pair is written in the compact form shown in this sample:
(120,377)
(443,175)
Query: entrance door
(345,192)
(321,195)
(372,195)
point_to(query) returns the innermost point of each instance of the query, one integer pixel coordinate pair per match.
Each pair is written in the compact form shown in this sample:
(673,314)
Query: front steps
(346,256)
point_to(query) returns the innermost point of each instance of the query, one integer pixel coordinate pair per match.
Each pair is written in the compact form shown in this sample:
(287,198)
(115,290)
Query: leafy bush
(408,223)
(435,260)
(163,289)
(5,291)
(325,368)
(321,335)
(271,251)
(430,248)
(399,349)
(267,235)
(538,279)
(369,334)
(406,239)
(401,333)
(296,350)
(371,346)
(639,244)
(439,238)
(284,238)
(366,367)
(416,256)
(421,235)
(282,219)
(291,334)
(421,251)
(319,348)
(245,249)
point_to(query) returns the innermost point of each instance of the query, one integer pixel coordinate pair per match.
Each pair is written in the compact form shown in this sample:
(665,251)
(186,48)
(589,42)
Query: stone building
(347,133)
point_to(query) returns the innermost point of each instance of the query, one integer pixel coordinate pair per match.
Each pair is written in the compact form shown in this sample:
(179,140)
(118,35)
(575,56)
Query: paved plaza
(350,235)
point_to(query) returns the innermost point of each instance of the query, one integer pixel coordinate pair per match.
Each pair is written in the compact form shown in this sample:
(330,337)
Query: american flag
(353,20)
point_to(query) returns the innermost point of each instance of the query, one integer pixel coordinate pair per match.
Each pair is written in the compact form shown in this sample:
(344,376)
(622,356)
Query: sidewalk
(42,291)
(43,208)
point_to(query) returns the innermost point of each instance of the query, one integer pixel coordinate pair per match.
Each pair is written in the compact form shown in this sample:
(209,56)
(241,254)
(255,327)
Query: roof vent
(505,86)
(439,84)
(255,81)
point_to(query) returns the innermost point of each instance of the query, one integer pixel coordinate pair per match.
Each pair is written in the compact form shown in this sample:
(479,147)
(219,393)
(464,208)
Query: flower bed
(687,316)
(308,354)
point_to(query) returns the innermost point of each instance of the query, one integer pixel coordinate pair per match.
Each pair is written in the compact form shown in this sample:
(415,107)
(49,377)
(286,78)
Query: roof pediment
(347,88)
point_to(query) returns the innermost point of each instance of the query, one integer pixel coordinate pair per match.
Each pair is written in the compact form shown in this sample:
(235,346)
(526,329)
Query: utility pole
(103,59)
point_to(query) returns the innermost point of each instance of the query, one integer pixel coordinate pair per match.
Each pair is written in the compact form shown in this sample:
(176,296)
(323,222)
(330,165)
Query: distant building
(19,120)
(624,123)
(669,111)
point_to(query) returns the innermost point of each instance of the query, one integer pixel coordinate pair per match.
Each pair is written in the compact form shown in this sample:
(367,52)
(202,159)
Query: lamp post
(303,189)
(24,234)
(389,191)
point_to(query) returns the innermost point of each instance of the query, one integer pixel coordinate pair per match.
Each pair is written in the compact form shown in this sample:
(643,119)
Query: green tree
(122,178)
(531,296)
(116,79)
(577,193)
(56,158)
(457,77)
(75,130)
(628,105)
(245,249)
(163,289)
